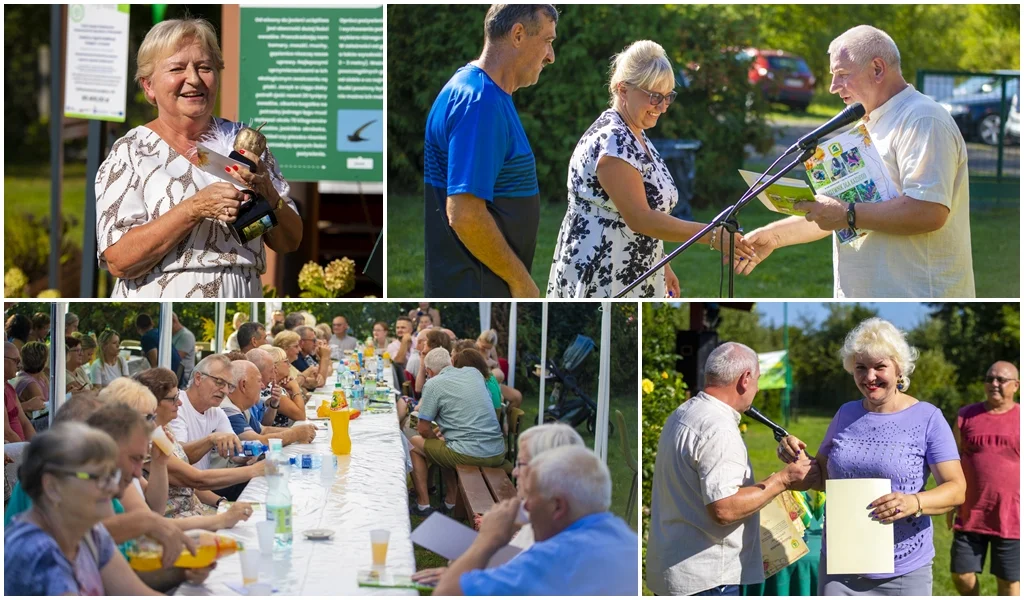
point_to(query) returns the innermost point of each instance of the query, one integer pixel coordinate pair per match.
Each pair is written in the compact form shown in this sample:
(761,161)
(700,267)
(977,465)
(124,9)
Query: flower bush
(338,279)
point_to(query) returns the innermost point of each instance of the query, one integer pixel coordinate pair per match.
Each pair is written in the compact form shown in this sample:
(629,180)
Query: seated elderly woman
(236,322)
(290,341)
(532,443)
(109,365)
(485,344)
(33,386)
(621,193)
(293,400)
(161,221)
(40,327)
(188,492)
(71,475)
(881,361)
(18,328)
(77,378)
(88,346)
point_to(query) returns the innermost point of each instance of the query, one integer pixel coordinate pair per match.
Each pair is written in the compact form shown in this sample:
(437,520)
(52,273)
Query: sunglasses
(657,98)
(999,380)
(109,481)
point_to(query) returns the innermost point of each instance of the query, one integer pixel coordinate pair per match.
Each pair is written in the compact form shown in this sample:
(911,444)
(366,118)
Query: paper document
(855,544)
(782,541)
(781,195)
(449,538)
(849,168)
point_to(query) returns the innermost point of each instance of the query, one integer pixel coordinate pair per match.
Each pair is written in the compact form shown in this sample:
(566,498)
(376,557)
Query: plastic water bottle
(371,386)
(279,497)
(253,448)
(380,370)
(357,392)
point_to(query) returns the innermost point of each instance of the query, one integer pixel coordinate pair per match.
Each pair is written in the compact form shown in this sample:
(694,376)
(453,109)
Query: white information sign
(96,73)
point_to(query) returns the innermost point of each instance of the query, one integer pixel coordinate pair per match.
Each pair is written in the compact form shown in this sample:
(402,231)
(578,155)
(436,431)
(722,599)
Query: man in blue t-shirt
(149,337)
(567,492)
(480,177)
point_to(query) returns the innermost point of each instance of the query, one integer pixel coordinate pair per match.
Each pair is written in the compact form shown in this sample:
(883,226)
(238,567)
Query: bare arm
(746,501)
(10,436)
(426,429)
(421,378)
(31,397)
(197,449)
(293,402)
(902,216)
(183,474)
(153,357)
(26,425)
(950,489)
(155,485)
(471,221)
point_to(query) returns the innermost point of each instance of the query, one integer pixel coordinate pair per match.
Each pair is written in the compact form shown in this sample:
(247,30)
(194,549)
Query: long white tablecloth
(368,492)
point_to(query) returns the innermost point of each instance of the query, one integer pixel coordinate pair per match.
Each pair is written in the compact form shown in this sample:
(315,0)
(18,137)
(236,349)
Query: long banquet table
(367,492)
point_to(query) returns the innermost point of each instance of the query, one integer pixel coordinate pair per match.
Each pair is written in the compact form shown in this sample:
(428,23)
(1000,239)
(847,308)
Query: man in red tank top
(988,436)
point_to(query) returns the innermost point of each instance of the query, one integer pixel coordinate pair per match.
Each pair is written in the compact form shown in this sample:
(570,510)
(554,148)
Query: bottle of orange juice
(145,554)
(341,443)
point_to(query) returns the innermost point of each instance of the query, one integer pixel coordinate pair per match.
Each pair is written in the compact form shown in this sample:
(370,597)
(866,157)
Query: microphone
(756,415)
(849,115)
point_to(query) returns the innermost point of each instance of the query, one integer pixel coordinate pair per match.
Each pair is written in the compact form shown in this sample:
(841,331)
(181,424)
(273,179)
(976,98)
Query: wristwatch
(274,406)
(919,509)
(220,500)
(851,215)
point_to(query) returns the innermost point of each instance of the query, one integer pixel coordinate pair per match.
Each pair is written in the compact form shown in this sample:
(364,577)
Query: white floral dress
(143,178)
(597,255)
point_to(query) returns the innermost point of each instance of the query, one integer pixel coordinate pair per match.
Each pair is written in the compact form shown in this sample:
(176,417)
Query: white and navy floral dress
(597,255)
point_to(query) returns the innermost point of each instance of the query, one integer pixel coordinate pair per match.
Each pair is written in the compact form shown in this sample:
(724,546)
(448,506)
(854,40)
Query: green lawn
(761,446)
(622,476)
(796,272)
(27,190)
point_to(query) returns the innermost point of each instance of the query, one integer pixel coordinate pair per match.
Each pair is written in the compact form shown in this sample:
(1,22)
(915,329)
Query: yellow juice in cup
(380,552)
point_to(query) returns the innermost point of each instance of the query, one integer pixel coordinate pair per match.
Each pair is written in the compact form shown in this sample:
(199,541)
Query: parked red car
(782,77)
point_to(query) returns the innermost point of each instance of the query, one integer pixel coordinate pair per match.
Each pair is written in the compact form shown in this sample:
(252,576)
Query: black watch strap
(851,215)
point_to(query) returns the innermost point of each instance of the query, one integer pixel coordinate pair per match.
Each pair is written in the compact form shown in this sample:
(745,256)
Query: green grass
(803,271)
(622,476)
(761,446)
(27,190)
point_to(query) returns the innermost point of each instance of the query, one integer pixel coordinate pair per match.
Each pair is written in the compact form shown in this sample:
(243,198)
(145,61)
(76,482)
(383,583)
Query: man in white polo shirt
(704,533)
(918,244)
(201,425)
(340,340)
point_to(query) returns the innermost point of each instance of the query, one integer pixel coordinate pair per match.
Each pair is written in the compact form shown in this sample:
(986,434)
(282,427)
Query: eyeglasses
(109,481)
(657,98)
(150,417)
(997,379)
(520,464)
(173,398)
(220,382)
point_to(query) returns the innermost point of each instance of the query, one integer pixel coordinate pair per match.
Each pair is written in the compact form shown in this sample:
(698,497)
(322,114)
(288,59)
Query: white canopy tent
(603,385)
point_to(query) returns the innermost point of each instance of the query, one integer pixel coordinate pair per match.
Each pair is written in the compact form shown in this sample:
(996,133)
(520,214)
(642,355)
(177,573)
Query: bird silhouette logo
(356,137)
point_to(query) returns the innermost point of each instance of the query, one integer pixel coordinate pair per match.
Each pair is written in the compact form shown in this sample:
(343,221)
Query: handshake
(802,472)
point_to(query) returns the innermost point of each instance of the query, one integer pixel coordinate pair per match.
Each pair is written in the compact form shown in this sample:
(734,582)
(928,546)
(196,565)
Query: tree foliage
(573,91)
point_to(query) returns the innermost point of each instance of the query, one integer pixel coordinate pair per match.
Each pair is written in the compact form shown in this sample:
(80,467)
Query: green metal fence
(986,108)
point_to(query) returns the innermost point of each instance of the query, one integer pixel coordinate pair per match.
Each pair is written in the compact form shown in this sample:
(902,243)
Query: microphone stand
(727,218)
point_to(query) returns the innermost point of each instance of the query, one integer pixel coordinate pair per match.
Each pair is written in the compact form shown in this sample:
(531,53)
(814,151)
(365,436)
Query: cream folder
(856,544)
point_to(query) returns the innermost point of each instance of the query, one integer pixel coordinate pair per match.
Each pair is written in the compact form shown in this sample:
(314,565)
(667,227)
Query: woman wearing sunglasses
(70,473)
(621,191)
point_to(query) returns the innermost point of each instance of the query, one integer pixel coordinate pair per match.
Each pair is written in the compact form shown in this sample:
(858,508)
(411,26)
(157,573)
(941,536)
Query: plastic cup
(265,532)
(160,440)
(379,545)
(250,566)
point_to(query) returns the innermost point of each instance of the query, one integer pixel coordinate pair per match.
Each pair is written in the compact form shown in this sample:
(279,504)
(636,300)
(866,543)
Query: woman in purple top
(889,434)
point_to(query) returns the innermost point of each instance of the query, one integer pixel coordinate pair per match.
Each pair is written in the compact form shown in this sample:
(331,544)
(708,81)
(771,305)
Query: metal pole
(1003,114)
(97,146)
(543,358)
(510,377)
(254,312)
(58,356)
(786,365)
(165,349)
(56,141)
(485,316)
(218,339)
(601,429)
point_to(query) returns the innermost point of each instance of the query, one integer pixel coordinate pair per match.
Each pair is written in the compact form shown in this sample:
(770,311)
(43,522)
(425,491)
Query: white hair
(642,64)
(865,43)
(878,338)
(729,362)
(575,474)
(261,358)
(204,365)
(437,359)
(241,368)
(549,436)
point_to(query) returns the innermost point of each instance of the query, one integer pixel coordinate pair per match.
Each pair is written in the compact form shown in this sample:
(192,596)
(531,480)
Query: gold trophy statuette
(251,140)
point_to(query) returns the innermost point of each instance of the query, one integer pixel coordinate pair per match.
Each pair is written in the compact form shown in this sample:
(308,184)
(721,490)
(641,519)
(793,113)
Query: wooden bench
(480,488)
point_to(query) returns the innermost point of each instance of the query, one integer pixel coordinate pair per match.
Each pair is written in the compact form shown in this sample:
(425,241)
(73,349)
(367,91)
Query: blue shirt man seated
(580,549)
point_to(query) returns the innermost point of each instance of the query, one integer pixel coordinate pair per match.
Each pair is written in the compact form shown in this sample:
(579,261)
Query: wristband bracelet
(714,236)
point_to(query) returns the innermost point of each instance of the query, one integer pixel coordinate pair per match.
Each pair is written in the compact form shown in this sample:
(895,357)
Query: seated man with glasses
(201,425)
(988,436)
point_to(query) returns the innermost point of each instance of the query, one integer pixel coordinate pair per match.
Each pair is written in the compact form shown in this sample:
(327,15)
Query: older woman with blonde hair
(621,192)
(161,221)
(236,322)
(888,434)
(287,378)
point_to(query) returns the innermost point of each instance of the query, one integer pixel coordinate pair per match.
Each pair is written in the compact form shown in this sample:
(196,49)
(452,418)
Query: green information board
(316,76)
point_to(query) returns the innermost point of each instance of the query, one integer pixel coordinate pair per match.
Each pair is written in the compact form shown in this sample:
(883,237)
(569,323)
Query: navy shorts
(967,555)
